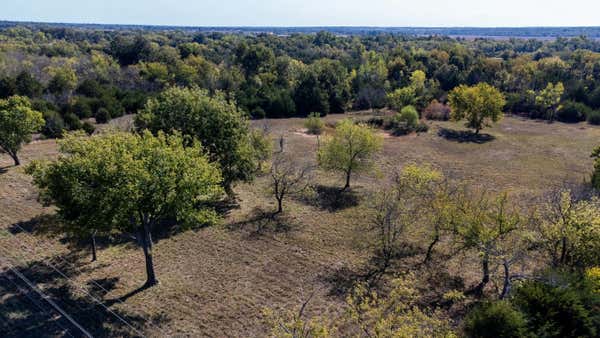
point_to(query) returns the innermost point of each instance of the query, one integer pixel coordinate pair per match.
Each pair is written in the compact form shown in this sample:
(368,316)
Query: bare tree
(288,178)
(404,206)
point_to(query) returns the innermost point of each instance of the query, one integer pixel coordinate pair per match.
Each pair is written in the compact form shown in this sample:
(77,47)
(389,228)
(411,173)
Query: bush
(102,115)
(573,112)
(495,319)
(133,100)
(437,111)
(405,121)
(72,121)
(314,124)
(81,108)
(594,117)
(558,311)
(54,125)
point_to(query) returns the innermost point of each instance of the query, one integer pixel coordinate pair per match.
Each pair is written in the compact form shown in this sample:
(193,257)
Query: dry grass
(216,281)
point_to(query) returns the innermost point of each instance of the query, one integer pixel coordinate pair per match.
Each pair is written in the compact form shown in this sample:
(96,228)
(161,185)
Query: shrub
(90,88)
(82,108)
(437,111)
(72,121)
(54,126)
(133,100)
(558,311)
(573,112)
(405,121)
(594,117)
(102,115)
(314,124)
(409,116)
(495,319)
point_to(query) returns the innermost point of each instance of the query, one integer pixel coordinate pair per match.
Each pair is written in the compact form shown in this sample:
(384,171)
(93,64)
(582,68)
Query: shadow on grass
(343,280)
(51,227)
(333,198)
(260,221)
(24,313)
(465,136)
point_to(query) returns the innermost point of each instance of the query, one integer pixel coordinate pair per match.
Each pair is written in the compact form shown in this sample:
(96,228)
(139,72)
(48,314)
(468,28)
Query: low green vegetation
(313,124)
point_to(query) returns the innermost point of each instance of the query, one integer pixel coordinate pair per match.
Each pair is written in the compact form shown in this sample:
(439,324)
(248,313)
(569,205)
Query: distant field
(216,281)
(467,32)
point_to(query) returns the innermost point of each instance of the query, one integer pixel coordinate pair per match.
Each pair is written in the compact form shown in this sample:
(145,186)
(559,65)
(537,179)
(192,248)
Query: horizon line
(277,26)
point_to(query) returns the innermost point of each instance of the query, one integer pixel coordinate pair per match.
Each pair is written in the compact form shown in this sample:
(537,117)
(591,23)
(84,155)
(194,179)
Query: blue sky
(484,13)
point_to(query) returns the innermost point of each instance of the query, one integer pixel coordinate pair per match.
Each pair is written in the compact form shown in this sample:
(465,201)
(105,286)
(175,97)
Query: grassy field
(217,281)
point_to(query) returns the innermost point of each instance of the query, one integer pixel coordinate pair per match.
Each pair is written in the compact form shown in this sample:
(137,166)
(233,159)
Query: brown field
(217,281)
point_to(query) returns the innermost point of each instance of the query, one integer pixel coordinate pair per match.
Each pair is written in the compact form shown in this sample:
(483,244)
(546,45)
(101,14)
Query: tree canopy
(479,105)
(216,122)
(18,120)
(350,150)
(130,183)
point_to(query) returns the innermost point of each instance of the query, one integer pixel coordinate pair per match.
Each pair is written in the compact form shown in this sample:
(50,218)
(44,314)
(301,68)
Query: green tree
(370,81)
(495,319)
(350,150)
(397,315)
(409,95)
(334,82)
(27,85)
(401,97)
(569,230)
(549,99)
(399,210)
(478,105)
(64,80)
(131,183)
(18,120)
(222,129)
(559,306)
(494,230)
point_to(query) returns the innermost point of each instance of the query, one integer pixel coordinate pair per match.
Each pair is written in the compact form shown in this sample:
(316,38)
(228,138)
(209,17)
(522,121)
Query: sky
(399,13)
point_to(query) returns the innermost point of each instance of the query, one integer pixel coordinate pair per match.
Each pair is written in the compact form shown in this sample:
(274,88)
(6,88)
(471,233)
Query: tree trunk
(563,251)
(93,243)
(146,241)
(15,158)
(279,205)
(430,249)
(485,266)
(347,186)
(507,285)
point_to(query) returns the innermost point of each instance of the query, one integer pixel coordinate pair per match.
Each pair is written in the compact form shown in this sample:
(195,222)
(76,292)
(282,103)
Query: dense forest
(241,122)
(74,74)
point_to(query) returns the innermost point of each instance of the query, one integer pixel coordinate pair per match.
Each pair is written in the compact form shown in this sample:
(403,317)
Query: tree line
(73,74)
